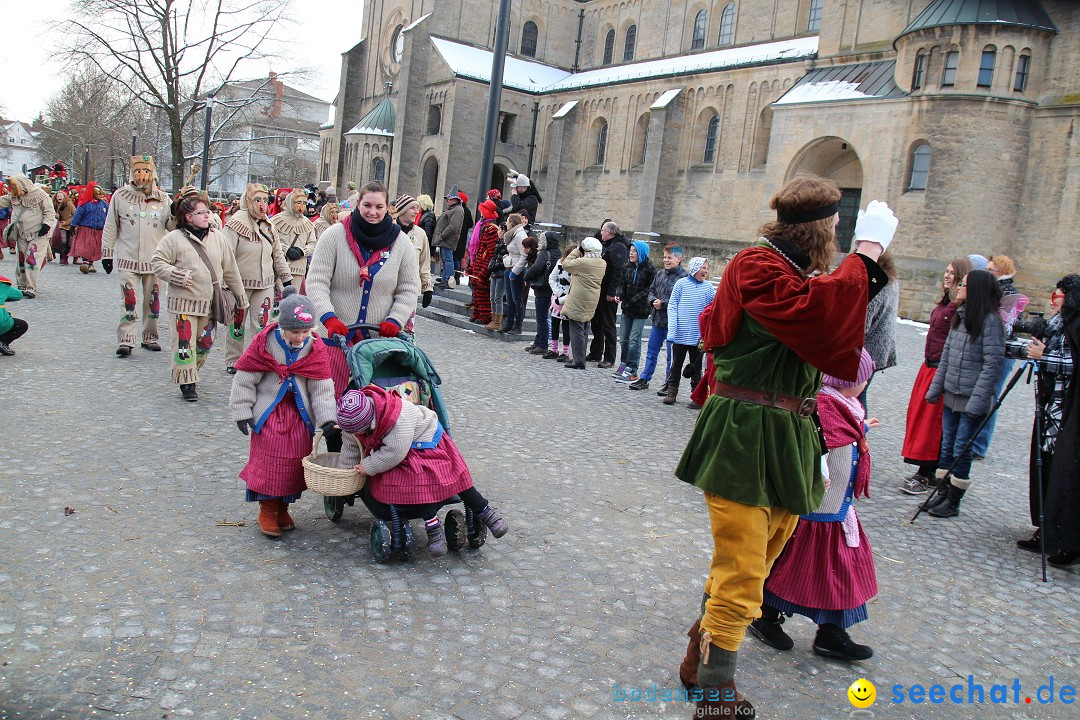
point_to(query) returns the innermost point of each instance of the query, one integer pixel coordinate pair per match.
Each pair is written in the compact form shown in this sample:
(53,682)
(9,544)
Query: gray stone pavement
(140,605)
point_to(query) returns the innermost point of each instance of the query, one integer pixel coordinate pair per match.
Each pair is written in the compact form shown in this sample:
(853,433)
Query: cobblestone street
(148,602)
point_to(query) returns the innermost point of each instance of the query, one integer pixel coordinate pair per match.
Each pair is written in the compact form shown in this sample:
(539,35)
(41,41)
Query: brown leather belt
(803,407)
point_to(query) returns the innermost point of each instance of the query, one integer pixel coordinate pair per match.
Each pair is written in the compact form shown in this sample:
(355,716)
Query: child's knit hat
(695,264)
(297,312)
(355,411)
(866,369)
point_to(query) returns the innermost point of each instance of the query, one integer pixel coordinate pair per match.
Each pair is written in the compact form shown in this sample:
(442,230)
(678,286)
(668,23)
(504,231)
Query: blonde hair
(816,238)
(425,202)
(1004,264)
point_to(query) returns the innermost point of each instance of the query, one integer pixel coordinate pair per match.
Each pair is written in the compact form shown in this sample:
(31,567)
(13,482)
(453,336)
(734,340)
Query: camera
(1035,325)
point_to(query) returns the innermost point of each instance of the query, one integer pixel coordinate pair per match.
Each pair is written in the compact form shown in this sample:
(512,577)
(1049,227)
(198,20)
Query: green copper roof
(1017,13)
(380,121)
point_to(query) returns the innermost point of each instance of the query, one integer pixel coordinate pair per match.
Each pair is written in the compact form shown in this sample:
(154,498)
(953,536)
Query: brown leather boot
(496,322)
(672,393)
(688,669)
(284,519)
(724,701)
(268,521)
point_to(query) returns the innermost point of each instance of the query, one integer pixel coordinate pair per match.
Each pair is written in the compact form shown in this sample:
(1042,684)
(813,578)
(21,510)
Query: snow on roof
(845,82)
(531,76)
(663,101)
(829,90)
(420,20)
(565,109)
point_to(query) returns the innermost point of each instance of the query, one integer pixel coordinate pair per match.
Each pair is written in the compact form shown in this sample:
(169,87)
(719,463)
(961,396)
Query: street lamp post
(86,166)
(134,137)
(204,183)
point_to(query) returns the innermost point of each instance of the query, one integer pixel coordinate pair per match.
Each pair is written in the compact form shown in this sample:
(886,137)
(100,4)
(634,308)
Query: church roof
(535,77)
(1019,13)
(380,121)
(861,81)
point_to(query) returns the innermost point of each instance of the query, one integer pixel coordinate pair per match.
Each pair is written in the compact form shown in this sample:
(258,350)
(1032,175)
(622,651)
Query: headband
(796,217)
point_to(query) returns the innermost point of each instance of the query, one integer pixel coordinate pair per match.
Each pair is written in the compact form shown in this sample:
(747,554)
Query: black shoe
(1034,544)
(230,370)
(662,391)
(550,355)
(563,359)
(592,358)
(605,365)
(771,633)
(6,350)
(572,366)
(692,406)
(639,384)
(151,346)
(833,641)
(950,506)
(123,351)
(28,294)
(1065,558)
(188,392)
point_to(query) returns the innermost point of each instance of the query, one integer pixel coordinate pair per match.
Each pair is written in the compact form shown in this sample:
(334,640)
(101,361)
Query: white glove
(876,224)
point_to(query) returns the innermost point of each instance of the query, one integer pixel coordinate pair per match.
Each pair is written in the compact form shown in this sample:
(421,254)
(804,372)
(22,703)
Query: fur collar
(134,196)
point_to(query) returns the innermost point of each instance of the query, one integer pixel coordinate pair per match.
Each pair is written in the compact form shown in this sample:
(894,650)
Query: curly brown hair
(816,238)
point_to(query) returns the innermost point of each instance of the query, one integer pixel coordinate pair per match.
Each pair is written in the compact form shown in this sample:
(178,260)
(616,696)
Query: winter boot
(716,677)
(188,392)
(491,517)
(672,393)
(436,538)
(284,519)
(496,322)
(949,505)
(1034,544)
(768,630)
(268,518)
(688,669)
(833,641)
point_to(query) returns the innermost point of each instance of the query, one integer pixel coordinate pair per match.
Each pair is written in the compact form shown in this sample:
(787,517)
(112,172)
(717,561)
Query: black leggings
(17,330)
(471,497)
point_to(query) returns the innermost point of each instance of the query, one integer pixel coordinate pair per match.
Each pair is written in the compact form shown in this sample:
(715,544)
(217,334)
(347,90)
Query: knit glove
(243,425)
(106,265)
(335,327)
(294,253)
(427,298)
(876,224)
(389,328)
(43,231)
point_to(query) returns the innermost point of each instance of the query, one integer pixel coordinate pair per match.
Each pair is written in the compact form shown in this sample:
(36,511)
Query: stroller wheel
(407,548)
(477,532)
(380,541)
(333,507)
(456,533)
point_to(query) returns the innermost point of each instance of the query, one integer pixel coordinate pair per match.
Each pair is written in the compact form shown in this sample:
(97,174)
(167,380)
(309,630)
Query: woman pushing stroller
(411,462)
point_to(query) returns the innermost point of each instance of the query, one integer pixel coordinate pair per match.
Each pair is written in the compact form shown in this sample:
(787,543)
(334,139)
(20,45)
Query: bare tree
(172,54)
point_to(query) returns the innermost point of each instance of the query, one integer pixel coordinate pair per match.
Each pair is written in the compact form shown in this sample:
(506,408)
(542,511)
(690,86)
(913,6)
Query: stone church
(681,117)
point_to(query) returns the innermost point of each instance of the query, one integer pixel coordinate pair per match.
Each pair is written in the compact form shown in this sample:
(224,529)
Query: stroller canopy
(387,361)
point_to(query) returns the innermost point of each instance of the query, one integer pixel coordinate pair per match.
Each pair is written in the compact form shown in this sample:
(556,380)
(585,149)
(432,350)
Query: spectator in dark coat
(635,309)
(616,253)
(463,239)
(525,199)
(427,219)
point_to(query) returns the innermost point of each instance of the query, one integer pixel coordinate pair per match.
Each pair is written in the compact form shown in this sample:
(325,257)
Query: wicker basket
(322,474)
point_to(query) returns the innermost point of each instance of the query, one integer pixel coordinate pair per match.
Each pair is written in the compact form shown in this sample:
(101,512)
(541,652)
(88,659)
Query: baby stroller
(398,364)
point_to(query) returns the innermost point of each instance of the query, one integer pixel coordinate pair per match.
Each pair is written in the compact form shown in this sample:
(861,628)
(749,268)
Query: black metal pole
(498,61)
(134,137)
(205,178)
(86,165)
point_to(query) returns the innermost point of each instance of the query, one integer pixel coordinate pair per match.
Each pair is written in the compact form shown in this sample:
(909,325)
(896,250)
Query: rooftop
(1020,13)
(861,81)
(379,121)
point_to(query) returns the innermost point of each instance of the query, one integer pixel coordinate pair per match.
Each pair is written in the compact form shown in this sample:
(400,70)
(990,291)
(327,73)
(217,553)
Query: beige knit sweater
(134,225)
(294,230)
(175,259)
(333,281)
(416,423)
(423,255)
(253,392)
(258,254)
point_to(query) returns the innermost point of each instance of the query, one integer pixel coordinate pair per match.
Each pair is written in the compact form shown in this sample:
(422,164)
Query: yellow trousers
(746,541)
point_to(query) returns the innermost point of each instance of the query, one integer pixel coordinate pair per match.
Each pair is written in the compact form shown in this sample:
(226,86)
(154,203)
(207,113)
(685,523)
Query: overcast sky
(29,76)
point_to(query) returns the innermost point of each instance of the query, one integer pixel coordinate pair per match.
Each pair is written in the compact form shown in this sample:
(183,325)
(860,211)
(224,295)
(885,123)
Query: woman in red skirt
(479,270)
(922,437)
(87,223)
(826,571)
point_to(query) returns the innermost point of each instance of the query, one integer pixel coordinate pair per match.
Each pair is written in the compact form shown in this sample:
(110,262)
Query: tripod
(940,490)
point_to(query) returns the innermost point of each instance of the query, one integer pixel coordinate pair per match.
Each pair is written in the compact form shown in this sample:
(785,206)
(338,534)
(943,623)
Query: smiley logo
(862,693)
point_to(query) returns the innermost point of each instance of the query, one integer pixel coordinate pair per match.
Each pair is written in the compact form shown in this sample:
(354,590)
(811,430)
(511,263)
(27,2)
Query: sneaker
(771,633)
(915,485)
(491,517)
(605,365)
(550,355)
(230,370)
(625,376)
(436,539)
(6,350)
(619,370)
(663,391)
(639,384)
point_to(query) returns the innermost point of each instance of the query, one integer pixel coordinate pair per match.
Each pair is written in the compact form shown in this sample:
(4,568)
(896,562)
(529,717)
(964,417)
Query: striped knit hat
(866,369)
(355,412)
(401,205)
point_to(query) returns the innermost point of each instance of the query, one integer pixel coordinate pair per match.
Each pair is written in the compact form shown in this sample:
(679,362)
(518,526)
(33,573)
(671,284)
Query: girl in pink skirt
(282,391)
(826,572)
(87,223)
(410,461)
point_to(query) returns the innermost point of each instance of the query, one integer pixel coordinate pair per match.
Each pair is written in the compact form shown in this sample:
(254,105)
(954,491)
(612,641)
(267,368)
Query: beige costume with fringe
(31,211)
(293,230)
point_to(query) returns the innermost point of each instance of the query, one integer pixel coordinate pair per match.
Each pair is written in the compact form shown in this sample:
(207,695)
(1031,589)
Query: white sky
(29,76)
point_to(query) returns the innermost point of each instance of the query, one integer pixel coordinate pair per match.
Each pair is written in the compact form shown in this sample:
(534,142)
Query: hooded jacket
(537,273)
(527,203)
(616,254)
(660,289)
(293,230)
(31,210)
(636,283)
(448,227)
(258,254)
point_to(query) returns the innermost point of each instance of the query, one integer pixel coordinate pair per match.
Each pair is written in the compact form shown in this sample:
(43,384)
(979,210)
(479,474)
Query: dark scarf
(405,227)
(200,233)
(797,256)
(371,237)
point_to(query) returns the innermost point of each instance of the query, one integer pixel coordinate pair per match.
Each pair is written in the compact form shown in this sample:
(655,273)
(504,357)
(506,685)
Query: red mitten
(389,328)
(335,327)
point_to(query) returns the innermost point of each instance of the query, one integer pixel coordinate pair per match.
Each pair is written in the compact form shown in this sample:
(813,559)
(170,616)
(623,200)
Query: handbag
(217,303)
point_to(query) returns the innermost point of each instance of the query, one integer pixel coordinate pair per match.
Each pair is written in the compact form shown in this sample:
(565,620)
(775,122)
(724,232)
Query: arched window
(712,135)
(700,21)
(378,169)
(601,143)
(1023,64)
(948,72)
(813,19)
(640,144)
(920,167)
(609,47)
(727,25)
(434,119)
(919,73)
(986,67)
(529,33)
(630,44)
